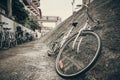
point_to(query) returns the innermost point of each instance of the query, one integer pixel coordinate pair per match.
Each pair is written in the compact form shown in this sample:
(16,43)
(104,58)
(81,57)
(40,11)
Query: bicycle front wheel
(70,63)
(6,44)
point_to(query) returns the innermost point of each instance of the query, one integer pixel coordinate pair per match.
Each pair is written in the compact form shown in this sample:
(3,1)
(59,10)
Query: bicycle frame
(68,33)
(79,32)
(85,27)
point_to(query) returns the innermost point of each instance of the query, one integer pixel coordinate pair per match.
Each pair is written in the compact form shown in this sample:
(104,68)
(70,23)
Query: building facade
(6,7)
(7,17)
(33,6)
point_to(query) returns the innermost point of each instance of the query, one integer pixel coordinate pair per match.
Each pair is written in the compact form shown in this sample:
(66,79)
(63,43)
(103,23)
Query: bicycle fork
(80,40)
(74,42)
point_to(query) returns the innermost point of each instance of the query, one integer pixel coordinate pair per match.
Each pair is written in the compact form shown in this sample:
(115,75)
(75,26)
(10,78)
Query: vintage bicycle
(79,52)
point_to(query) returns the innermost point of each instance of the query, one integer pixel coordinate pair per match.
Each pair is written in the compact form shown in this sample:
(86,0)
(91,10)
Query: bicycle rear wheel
(70,63)
(1,40)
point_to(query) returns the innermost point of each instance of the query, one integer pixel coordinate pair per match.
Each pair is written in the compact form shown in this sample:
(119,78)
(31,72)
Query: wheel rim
(6,44)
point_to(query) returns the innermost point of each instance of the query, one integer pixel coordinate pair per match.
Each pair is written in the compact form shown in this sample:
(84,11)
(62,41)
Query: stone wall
(12,24)
(108,13)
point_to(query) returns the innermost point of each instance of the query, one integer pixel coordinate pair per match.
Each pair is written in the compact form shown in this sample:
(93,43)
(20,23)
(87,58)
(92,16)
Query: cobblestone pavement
(27,62)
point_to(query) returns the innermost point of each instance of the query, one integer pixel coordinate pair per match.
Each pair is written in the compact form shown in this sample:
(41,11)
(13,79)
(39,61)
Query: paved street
(28,61)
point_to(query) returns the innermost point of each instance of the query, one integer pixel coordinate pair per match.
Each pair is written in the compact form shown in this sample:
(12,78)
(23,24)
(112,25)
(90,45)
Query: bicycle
(4,36)
(13,41)
(79,52)
(19,35)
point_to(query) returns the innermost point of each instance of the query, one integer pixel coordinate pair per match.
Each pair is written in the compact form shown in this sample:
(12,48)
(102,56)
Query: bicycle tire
(1,40)
(6,44)
(87,67)
(15,43)
(0,44)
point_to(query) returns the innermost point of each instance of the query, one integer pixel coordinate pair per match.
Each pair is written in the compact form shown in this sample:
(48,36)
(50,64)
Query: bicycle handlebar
(3,23)
(88,15)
